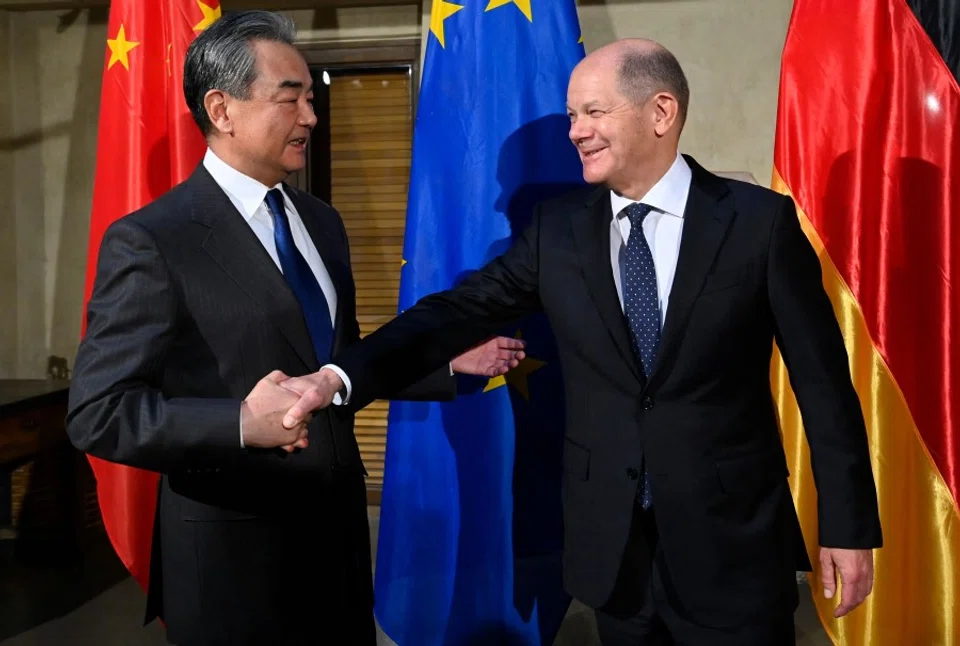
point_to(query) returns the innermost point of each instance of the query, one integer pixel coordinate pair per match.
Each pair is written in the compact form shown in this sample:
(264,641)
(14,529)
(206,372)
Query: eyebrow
(296,85)
(586,107)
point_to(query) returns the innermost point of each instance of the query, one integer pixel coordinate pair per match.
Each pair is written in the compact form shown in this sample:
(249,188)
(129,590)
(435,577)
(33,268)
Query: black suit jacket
(188,312)
(705,421)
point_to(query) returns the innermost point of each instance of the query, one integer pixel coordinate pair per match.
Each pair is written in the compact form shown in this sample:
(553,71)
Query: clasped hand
(278,410)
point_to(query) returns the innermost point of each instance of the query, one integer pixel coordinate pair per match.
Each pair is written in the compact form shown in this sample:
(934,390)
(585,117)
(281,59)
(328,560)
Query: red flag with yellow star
(147,143)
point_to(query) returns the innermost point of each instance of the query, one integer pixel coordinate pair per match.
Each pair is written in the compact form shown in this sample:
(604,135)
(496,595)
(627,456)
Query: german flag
(865,146)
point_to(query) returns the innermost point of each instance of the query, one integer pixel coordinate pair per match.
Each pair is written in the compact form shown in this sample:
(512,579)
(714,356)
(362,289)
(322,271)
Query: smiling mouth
(592,153)
(300,141)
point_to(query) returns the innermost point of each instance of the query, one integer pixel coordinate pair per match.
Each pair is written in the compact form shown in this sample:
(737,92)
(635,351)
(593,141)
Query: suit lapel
(238,251)
(707,217)
(325,242)
(591,231)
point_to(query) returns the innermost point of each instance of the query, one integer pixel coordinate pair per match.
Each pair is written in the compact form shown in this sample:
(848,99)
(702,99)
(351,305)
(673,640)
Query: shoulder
(167,213)
(177,220)
(750,196)
(748,199)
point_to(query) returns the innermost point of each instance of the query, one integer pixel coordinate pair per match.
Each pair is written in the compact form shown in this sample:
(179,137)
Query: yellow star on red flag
(210,15)
(119,48)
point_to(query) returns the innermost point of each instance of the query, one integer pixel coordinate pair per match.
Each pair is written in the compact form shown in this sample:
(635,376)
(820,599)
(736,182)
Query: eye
(596,113)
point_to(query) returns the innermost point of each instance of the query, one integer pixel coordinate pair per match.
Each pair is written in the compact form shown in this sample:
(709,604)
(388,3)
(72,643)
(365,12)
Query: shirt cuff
(341,398)
(451,368)
(241,427)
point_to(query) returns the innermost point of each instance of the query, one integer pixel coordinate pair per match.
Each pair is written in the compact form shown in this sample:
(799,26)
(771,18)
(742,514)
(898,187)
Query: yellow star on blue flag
(518,377)
(522,5)
(438,14)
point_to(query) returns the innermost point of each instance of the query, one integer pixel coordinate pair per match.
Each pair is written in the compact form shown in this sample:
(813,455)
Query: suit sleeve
(439,385)
(116,410)
(810,341)
(443,325)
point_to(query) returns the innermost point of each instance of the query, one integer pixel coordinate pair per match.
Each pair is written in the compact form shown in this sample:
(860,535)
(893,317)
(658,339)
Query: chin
(294,165)
(594,177)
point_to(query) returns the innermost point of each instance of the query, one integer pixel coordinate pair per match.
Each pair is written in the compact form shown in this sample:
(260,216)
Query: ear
(665,113)
(217,104)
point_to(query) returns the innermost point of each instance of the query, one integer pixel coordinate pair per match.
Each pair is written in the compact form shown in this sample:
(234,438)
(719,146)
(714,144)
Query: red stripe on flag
(865,142)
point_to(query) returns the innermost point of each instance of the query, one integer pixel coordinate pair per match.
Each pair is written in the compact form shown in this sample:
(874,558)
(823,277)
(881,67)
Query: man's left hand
(493,358)
(855,568)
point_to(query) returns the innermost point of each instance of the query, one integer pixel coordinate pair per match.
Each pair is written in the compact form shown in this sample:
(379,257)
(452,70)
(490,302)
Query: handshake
(278,410)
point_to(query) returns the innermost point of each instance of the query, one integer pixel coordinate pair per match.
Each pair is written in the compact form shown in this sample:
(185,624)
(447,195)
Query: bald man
(666,287)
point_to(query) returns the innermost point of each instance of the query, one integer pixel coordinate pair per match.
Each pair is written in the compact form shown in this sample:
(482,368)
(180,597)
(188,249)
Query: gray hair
(222,57)
(644,73)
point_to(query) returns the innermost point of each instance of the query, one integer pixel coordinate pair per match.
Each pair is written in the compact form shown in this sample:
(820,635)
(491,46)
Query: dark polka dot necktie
(641,305)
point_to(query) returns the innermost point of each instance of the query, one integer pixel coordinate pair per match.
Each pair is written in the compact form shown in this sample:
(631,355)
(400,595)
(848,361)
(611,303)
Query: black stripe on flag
(941,20)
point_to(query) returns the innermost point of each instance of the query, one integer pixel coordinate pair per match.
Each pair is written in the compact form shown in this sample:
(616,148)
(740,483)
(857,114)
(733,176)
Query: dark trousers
(660,621)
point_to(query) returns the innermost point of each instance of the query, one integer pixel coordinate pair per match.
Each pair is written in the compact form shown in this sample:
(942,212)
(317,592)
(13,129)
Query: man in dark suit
(666,287)
(261,531)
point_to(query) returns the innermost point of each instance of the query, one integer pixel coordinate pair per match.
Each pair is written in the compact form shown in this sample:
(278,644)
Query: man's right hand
(262,416)
(316,391)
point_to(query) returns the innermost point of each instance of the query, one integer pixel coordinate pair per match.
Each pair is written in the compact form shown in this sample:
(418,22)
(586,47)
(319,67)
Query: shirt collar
(246,191)
(668,195)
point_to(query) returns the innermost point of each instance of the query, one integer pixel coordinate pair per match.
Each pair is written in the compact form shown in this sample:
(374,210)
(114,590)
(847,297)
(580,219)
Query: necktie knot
(274,201)
(637,212)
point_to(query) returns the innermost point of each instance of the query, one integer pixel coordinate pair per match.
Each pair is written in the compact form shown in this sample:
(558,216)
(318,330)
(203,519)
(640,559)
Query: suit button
(633,474)
(647,403)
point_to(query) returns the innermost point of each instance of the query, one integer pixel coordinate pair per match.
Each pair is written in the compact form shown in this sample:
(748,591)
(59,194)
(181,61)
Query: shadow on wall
(77,187)
(36,136)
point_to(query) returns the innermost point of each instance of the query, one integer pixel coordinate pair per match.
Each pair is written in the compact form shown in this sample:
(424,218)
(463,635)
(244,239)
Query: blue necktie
(301,279)
(641,304)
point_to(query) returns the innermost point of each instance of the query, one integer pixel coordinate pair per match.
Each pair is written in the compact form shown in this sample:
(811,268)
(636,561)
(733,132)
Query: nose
(307,117)
(578,131)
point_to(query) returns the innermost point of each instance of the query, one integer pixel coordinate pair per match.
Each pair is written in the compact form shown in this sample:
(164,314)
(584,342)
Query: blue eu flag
(470,526)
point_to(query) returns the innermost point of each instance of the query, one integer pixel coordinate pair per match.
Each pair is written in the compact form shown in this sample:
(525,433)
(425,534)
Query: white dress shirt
(662,228)
(248,196)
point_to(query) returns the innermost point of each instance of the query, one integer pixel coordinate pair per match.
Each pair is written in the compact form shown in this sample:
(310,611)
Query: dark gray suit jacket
(188,312)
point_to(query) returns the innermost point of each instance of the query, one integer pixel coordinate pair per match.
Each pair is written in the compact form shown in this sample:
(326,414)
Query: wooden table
(41,504)
(32,413)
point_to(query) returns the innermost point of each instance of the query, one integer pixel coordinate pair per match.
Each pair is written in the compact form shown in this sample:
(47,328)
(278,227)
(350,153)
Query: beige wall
(730,51)
(8,223)
(49,137)
(51,64)
(357,24)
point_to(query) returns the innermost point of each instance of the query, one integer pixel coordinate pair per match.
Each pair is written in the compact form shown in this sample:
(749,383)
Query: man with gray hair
(261,532)
(666,287)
